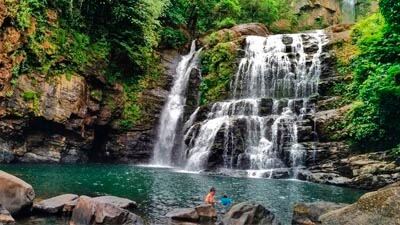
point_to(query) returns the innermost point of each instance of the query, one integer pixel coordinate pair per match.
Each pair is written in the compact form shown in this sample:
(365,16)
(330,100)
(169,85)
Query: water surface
(158,190)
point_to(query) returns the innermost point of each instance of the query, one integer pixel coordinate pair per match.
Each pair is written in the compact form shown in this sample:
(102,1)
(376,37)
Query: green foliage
(29,95)
(200,16)
(390,9)
(218,67)
(374,121)
(395,151)
(173,38)
(226,23)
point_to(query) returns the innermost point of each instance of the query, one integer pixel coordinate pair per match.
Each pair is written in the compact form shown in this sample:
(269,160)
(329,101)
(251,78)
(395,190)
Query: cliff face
(69,118)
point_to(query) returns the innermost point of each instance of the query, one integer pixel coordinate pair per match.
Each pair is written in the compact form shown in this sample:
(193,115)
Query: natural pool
(158,191)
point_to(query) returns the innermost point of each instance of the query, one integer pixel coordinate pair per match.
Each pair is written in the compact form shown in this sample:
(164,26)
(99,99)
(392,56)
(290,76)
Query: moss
(96,94)
(218,67)
(29,95)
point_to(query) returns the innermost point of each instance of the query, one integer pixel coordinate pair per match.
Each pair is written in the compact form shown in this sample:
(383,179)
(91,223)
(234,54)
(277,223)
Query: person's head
(212,190)
(225,195)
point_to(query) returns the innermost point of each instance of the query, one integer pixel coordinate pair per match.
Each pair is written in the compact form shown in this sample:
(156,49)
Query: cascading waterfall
(173,109)
(348,11)
(257,129)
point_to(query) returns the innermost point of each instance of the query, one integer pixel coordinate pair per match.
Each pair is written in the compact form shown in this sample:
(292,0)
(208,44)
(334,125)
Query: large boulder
(203,213)
(249,213)
(117,201)
(308,213)
(206,211)
(184,214)
(15,194)
(55,204)
(5,216)
(374,208)
(89,211)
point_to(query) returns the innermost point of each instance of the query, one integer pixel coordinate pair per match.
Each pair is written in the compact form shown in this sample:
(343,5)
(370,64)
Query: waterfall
(348,11)
(173,109)
(258,128)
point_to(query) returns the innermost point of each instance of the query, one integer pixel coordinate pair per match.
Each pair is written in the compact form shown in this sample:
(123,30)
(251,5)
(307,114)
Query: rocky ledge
(373,208)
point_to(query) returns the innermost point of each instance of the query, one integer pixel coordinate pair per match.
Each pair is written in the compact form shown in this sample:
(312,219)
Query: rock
(184,214)
(206,211)
(90,212)
(54,205)
(5,216)
(308,213)
(249,213)
(117,201)
(251,29)
(317,14)
(15,194)
(374,208)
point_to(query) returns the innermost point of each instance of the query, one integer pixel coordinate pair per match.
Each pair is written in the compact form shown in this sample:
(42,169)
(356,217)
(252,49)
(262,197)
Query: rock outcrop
(89,211)
(202,214)
(309,213)
(249,213)
(54,205)
(15,194)
(374,208)
(317,14)
(366,171)
(117,201)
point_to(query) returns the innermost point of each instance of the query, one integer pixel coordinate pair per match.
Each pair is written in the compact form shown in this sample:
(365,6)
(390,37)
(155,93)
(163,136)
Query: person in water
(210,196)
(225,201)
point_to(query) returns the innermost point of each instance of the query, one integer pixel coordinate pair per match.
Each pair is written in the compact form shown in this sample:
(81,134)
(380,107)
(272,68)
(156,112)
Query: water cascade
(348,11)
(173,109)
(259,128)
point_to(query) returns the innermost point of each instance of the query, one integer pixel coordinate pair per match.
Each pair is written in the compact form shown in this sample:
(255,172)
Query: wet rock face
(15,194)
(53,121)
(136,144)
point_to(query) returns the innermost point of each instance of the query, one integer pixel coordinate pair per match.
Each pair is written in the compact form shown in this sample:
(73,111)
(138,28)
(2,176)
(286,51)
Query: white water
(348,11)
(275,70)
(173,110)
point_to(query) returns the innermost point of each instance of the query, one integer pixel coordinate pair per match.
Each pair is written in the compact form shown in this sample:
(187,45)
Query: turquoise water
(158,191)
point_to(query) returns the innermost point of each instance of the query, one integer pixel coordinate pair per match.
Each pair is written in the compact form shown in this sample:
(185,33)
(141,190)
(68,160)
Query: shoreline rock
(5,216)
(249,213)
(54,205)
(200,214)
(90,211)
(373,208)
(308,213)
(15,194)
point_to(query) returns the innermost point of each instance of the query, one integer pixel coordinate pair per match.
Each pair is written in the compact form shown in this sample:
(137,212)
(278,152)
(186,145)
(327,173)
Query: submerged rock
(5,216)
(55,204)
(249,213)
(15,194)
(89,211)
(308,213)
(374,208)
